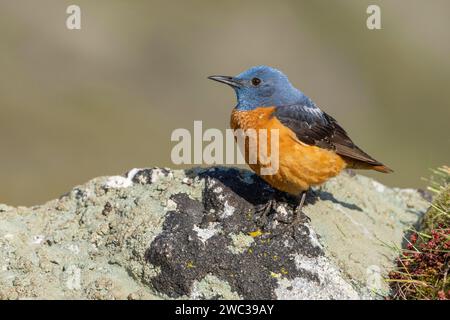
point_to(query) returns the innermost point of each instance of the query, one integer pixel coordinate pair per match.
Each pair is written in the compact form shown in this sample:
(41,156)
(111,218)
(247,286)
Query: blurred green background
(79,104)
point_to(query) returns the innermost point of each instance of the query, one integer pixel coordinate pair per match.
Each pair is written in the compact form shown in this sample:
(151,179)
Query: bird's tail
(383,169)
(358,164)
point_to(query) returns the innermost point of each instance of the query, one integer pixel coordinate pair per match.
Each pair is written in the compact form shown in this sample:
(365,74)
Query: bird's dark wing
(314,127)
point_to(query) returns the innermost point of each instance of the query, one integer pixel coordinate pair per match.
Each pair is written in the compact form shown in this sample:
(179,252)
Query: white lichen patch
(227,210)
(282,210)
(205,233)
(210,183)
(313,237)
(240,242)
(187,181)
(331,284)
(171,205)
(282,213)
(211,287)
(118,182)
(158,174)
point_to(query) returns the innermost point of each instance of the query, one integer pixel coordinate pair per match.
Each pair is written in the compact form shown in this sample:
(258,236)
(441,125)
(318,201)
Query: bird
(313,147)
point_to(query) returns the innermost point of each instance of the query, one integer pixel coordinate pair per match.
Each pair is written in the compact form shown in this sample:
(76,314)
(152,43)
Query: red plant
(423,268)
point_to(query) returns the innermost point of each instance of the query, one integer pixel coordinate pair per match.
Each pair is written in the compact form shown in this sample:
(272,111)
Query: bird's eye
(256,81)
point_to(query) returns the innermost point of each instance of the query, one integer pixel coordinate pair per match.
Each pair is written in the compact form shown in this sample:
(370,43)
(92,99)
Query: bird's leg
(299,215)
(268,210)
(264,210)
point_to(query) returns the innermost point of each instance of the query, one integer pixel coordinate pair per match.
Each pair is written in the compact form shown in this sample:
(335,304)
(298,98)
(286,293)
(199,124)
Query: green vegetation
(423,267)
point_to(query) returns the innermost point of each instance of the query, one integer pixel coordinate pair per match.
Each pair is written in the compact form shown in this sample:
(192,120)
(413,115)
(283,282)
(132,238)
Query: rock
(201,234)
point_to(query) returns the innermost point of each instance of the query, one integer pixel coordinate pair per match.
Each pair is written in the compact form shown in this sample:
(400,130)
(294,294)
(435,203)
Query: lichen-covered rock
(201,234)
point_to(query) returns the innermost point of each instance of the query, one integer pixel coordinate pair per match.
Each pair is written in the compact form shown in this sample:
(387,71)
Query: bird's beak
(231,81)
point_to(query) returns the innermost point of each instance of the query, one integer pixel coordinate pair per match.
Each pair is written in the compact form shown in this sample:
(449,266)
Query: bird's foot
(267,215)
(264,211)
(279,226)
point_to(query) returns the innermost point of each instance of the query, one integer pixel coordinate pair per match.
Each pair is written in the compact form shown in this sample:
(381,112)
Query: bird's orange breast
(299,165)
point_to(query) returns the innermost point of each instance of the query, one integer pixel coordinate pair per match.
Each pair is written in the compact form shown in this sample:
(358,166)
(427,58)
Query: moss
(439,211)
(424,265)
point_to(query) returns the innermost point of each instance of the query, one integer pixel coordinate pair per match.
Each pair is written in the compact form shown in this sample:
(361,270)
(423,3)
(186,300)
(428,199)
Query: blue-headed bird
(313,147)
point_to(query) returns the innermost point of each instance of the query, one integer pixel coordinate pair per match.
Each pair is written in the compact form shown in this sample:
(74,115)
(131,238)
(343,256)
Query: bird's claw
(267,214)
(263,212)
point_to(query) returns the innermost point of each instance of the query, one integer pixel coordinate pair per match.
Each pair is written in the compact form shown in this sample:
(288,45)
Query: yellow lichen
(275,275)
(255,234)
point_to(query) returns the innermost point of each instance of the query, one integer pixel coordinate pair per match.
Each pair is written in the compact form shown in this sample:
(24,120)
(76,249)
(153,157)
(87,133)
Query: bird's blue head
(262,86)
